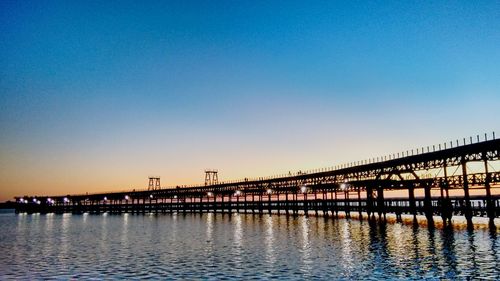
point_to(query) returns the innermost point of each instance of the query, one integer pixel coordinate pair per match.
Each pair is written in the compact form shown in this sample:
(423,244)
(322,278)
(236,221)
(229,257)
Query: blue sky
(97,95)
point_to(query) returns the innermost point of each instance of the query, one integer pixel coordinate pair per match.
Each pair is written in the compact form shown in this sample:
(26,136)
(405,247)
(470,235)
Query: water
(217,247)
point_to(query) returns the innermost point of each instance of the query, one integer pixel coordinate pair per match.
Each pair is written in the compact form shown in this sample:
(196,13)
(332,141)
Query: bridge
(447,180)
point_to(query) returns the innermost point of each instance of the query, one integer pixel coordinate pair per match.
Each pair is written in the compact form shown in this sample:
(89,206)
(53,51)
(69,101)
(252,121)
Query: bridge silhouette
(436,182)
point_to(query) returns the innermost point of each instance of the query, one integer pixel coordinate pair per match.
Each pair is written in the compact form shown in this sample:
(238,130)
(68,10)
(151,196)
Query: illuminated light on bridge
(269,191)
(127,197)
(237,193)
(303,189)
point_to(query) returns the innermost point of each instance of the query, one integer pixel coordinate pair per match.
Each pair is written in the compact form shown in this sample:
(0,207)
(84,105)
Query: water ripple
(237,247)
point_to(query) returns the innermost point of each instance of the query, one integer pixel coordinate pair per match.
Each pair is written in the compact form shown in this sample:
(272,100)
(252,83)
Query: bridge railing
(407,153)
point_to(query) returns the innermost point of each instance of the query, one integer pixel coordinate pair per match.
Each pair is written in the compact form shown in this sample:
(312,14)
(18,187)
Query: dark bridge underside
(359,188)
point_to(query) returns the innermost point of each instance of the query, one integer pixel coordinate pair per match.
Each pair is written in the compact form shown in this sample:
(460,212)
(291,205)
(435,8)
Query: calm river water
(223,247)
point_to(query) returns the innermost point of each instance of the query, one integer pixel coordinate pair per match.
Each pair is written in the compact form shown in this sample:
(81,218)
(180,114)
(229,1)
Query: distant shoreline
(7,205)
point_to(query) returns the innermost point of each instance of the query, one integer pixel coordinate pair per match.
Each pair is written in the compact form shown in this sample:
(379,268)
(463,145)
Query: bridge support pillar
(323,204)
(330,203)
(411,199)
(253,203)
(222,203)
(336,203)
(306,207)
(287,203)
(245,203)
(261,206)
(490,206)
(237,207)
(369,202)
(295,204)
(467,205)
(446,208)
(269,203)
(381,203)
(278,203)
(316,202)
(360,209)
(428,205)
(347,204)
(215,203)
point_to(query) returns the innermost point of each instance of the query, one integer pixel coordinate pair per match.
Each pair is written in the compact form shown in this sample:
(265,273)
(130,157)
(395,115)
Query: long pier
(441,182)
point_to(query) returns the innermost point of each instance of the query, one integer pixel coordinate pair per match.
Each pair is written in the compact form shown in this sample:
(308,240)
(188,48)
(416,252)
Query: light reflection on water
(269,240)
(215,246)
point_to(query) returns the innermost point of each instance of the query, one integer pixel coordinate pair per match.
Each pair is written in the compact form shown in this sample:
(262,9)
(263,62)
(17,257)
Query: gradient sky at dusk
(98,95)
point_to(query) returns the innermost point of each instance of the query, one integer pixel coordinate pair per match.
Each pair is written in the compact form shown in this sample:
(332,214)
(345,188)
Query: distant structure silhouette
(211,177)
(154,183)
